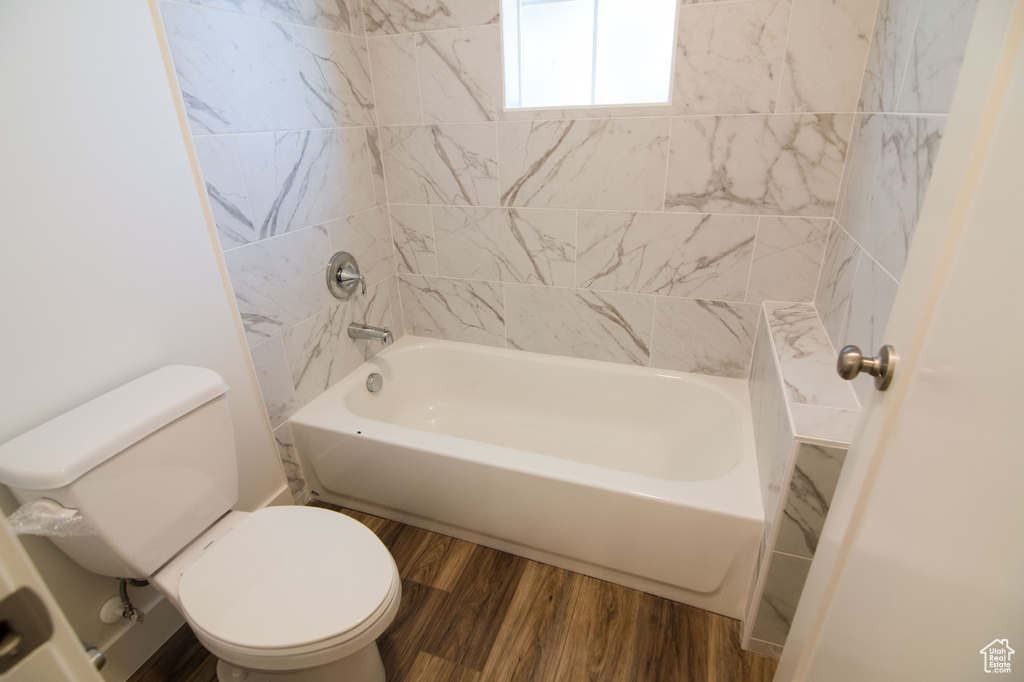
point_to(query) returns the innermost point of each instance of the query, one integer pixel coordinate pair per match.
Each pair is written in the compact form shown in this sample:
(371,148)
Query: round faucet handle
(342,275)
(347,278)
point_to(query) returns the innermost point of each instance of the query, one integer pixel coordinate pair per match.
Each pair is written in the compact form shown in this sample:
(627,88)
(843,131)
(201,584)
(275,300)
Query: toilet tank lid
(56,453)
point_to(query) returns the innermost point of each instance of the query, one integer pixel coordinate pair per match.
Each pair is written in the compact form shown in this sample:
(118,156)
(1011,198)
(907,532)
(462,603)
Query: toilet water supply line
(130,611)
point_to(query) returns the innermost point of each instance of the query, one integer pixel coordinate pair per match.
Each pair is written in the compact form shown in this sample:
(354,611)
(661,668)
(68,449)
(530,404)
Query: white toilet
(283,593)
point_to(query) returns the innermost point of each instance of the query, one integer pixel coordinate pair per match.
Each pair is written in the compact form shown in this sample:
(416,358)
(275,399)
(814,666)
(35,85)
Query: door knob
(852,362)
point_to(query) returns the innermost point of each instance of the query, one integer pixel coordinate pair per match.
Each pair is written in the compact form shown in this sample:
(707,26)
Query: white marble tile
(851,152)
(279,282)
(729,57)
(806,358)
(460,74)
(585,324)
(832,297)
(871,301)
(292,463)
(773,433)
(825,425)
(225,187)
(298,179)
(367,236)
(940,40)
(375,309)
(697,256)
(395,307)
(244,74)
(889,174)
(319,350)
(454,309)
(782,589)
(380,188)
(782,164)
(825,54)
(408,16)
(787,259)
(706,337)
(811,489)
(395,85)
(274,379)
(591,112)
(529,246)
(315,348)
(358,19)
(599,164)
(887,59)
(332,15)
(441,164)
(413,232)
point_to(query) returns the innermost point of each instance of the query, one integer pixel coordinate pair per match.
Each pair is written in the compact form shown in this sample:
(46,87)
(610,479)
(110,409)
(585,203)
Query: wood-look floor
(474,614)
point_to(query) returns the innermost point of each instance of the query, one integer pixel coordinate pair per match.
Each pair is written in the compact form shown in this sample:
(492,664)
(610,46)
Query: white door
(921,565)
(61,656)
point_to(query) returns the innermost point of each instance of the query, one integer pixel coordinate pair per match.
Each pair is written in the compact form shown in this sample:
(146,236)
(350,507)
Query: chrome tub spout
(358,330)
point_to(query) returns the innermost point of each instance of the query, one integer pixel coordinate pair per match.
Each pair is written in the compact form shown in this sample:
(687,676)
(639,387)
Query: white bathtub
(646,478)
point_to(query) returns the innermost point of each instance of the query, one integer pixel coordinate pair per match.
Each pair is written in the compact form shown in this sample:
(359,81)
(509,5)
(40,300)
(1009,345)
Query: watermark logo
(997,655)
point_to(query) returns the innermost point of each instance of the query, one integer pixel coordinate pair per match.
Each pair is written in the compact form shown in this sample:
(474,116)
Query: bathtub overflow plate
(374,382)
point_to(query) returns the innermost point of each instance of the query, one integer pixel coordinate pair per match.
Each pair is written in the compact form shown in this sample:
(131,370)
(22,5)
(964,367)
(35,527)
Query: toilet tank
(150,465)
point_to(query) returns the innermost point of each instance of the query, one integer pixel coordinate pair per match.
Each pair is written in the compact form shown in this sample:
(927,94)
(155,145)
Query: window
(562,53)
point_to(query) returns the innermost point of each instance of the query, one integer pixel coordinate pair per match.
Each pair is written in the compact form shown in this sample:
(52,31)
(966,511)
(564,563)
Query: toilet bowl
(285,590)
(281,593)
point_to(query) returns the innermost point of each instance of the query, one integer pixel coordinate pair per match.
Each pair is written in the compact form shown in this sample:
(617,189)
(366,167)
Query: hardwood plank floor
(530,641)
(474,614)
(601,632)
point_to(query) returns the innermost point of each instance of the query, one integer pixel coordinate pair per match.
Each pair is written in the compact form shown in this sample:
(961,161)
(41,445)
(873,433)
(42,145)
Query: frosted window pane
(557,46)
(634,51)
(583,52)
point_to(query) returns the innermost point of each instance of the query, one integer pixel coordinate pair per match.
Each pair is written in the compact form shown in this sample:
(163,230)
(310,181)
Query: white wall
(107,266)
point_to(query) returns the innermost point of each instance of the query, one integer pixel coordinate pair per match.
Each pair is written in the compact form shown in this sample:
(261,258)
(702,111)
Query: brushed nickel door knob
(852,362)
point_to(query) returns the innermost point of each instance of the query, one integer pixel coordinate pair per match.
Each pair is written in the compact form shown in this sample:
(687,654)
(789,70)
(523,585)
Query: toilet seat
(290,582)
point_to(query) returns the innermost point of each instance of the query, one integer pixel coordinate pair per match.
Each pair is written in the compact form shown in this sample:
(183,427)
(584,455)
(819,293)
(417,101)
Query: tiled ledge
(823,408)
(804,418)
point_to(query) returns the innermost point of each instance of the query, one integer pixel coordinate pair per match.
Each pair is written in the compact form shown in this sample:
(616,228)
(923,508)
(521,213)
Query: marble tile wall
(773,428)
(788,170)
(915,56)
(785,566)
(642,235)
(280,101)
(804,418)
